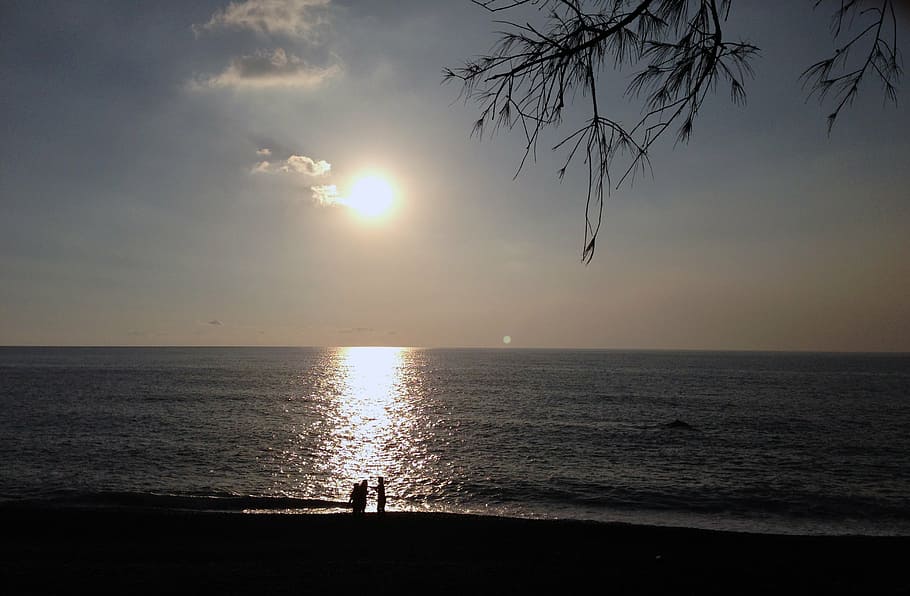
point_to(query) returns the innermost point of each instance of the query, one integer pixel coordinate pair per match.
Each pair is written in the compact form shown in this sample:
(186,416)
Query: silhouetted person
(354,498)
(362,497)
(380,496)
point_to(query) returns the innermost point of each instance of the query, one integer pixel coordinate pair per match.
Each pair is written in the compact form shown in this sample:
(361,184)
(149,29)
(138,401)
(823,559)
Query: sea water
(767,442)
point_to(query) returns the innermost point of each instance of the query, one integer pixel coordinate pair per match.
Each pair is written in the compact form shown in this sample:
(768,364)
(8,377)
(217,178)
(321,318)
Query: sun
(371,196)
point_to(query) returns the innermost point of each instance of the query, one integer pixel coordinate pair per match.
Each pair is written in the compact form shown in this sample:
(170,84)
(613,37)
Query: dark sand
(74,551)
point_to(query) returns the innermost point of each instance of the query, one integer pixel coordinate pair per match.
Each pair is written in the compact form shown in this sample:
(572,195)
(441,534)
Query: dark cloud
(270,68)
(290,18)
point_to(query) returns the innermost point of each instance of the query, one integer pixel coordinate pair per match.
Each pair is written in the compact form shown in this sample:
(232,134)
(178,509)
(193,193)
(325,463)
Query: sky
(183,173)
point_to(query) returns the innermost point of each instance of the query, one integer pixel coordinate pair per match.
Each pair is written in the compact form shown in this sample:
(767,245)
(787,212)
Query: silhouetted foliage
(679,47)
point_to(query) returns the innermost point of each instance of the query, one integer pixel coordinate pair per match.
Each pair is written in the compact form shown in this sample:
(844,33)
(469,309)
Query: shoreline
(133,502)
(154,551)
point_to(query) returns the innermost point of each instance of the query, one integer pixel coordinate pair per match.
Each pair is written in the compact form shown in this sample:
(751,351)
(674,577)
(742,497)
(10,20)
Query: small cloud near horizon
(216,323)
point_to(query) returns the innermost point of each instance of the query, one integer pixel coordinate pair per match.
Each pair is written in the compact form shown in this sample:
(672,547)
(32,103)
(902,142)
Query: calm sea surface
(808,443)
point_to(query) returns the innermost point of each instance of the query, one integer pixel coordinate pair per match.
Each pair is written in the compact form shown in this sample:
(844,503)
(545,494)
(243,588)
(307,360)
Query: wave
(190,502)
(570,494)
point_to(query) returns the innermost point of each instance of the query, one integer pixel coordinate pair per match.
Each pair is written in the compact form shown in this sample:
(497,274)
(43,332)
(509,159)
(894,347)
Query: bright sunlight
(370,196)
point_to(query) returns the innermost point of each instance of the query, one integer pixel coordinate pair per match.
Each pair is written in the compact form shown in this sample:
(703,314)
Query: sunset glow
(291,172)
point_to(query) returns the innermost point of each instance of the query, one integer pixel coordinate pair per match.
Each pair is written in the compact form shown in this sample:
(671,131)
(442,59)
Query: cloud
(215,322)
(265,68)
(356,330)
(264,151)
(295,164)
(305,165)
(291,18)
(325,194)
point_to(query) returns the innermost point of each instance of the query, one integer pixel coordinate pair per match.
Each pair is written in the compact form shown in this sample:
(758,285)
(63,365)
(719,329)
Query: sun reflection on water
(370,419)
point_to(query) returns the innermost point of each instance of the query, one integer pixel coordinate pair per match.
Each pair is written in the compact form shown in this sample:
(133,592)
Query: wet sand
(54,551)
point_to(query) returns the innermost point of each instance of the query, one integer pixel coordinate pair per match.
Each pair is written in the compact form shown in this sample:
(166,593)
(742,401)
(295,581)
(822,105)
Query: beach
(164,551)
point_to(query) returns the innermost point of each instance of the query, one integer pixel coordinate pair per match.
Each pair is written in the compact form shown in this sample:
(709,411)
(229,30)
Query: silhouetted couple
(358,498)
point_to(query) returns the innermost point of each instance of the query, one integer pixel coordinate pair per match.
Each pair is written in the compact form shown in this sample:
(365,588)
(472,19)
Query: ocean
(762,442)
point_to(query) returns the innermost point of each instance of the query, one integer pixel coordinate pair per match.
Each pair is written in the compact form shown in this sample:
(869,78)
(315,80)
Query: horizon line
(504,347)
